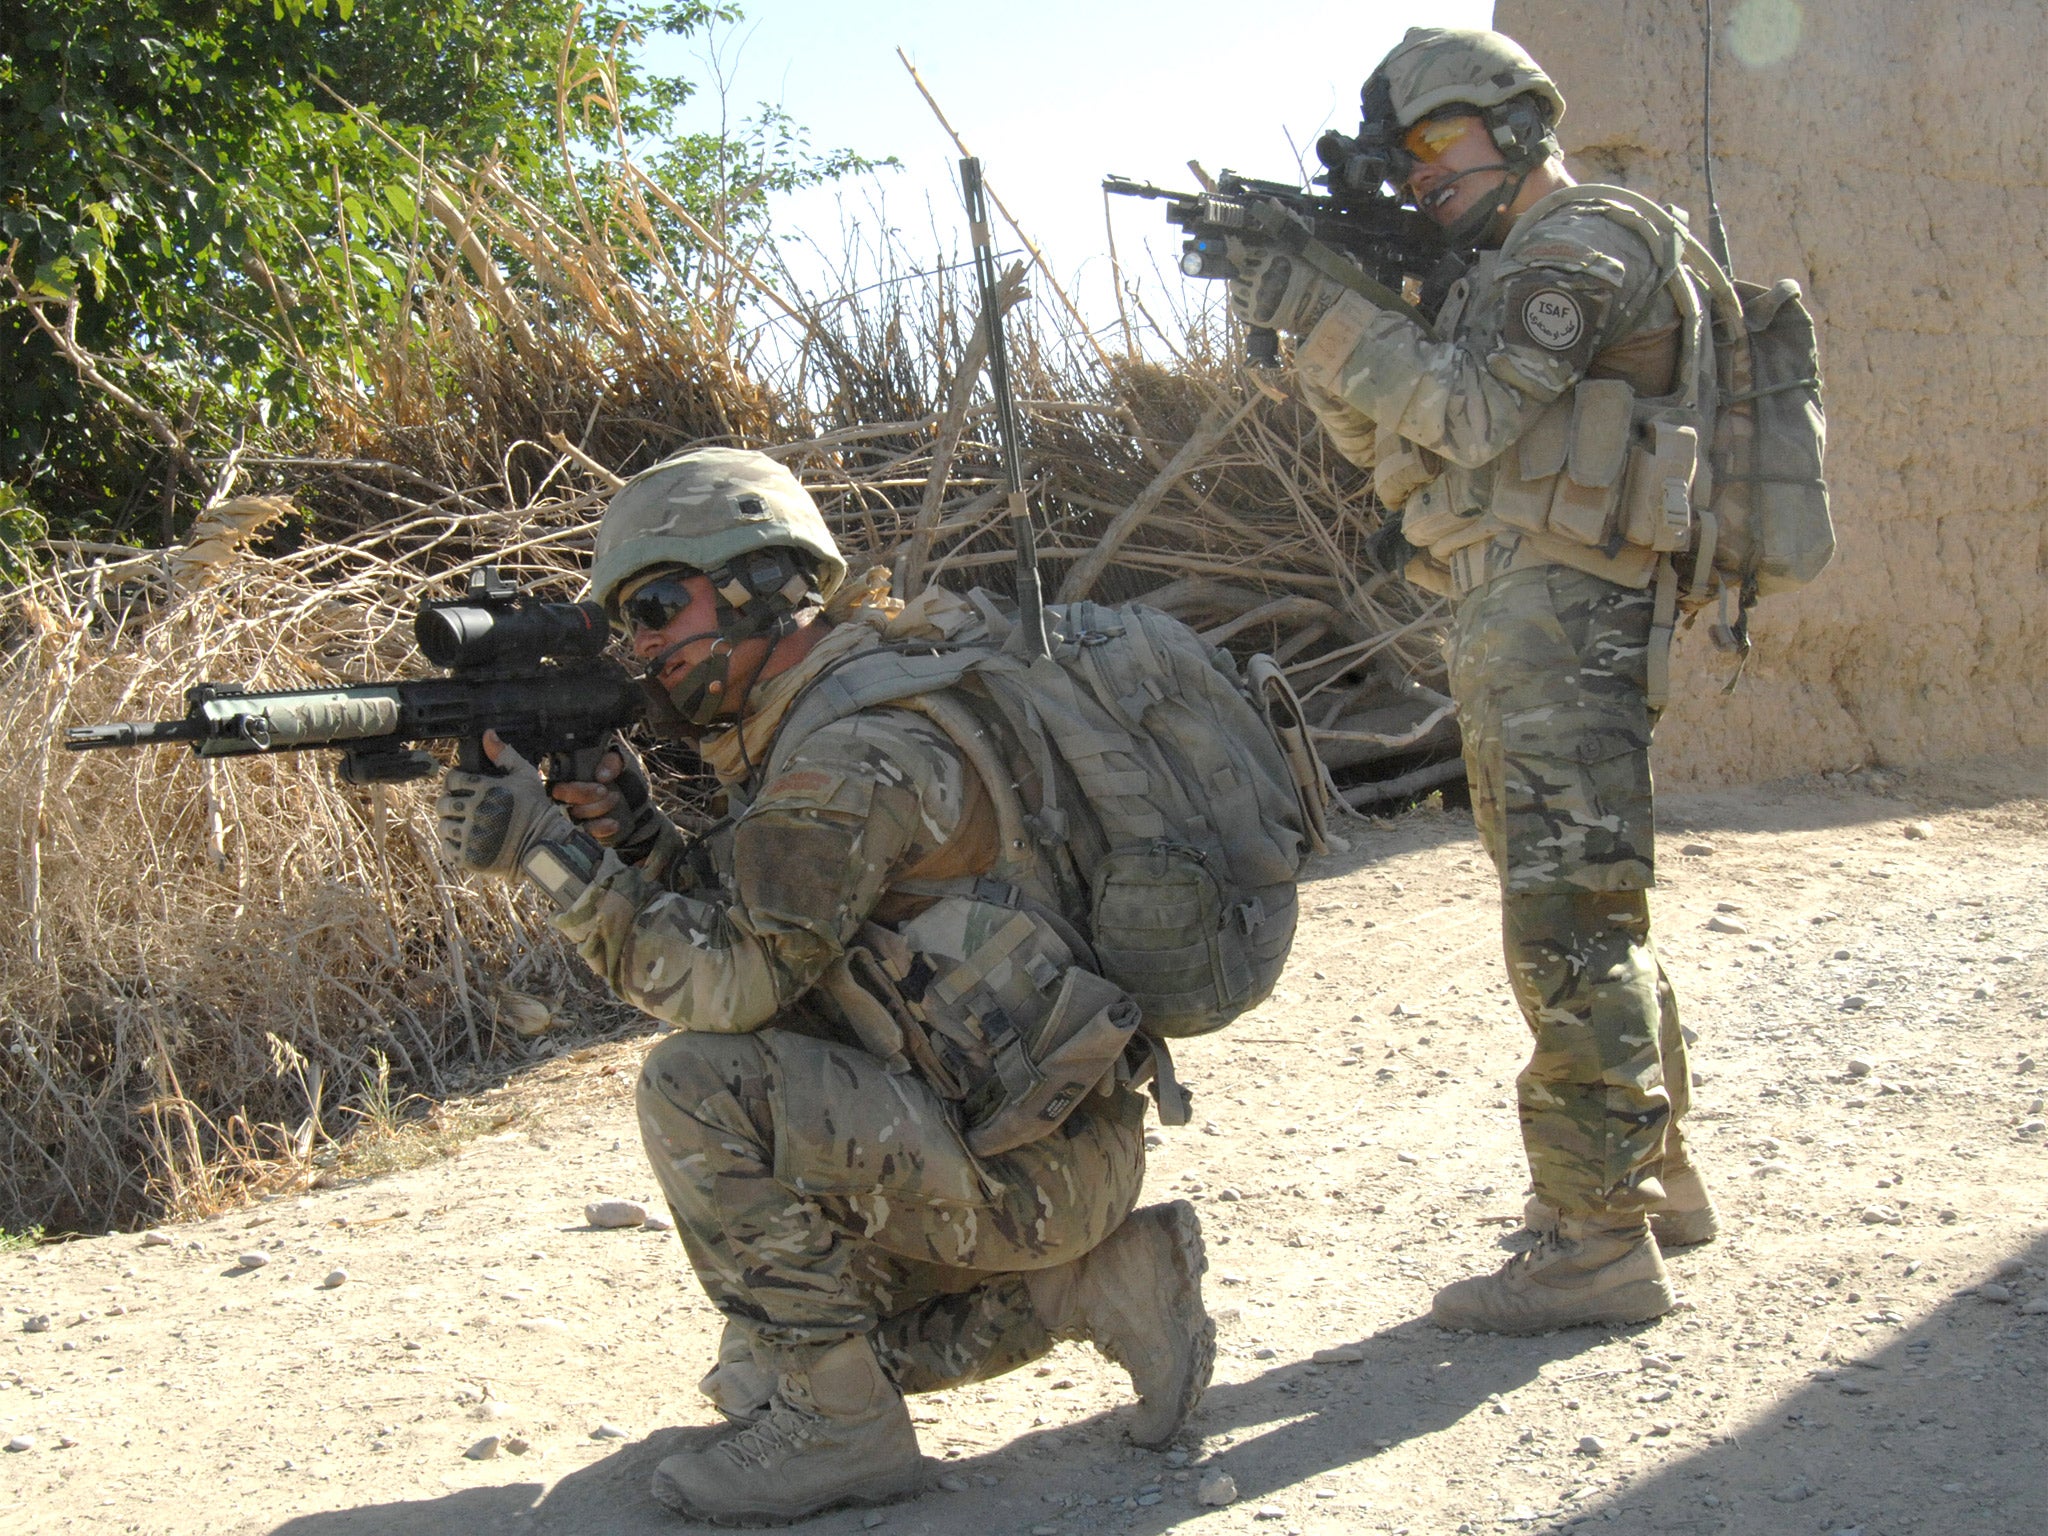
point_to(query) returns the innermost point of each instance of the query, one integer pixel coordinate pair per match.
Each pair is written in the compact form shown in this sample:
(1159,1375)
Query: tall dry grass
(207,966)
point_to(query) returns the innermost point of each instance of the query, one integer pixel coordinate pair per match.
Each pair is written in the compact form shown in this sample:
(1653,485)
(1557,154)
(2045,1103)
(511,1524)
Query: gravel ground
(1865,1349)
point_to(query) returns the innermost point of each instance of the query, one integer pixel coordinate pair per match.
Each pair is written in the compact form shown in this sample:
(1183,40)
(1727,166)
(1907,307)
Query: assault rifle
(533,671)
(1355,231)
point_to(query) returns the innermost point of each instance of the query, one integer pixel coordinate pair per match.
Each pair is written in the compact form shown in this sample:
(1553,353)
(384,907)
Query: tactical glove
(610,799)
(490,823)
(1274,290)
(1387,549)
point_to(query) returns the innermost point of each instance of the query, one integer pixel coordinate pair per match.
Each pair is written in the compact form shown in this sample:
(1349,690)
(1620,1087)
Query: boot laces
(783,1431)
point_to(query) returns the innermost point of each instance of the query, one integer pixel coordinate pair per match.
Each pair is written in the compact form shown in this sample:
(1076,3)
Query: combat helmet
(1437,69)
(736,516)
(703,509)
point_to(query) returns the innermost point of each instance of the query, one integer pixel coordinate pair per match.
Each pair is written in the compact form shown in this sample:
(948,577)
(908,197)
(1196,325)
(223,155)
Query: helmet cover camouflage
(706,507)
(1436,67)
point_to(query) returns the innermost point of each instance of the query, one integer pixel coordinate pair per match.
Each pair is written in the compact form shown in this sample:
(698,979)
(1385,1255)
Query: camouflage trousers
(819,1197)
(1548,669)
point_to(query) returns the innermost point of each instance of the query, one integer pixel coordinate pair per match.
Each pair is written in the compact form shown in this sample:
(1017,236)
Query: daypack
(1160,788)
(1715,490)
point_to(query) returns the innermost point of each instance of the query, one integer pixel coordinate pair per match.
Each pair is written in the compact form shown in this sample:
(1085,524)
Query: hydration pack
(1170,799)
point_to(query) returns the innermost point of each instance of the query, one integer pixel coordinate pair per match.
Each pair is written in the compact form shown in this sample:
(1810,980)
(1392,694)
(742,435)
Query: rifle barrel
(131,733)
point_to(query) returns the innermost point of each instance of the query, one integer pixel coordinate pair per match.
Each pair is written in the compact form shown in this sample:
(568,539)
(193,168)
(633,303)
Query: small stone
(608,1432)
(40,1323)
(1985,991)
(2033,1127)
(2026,1064)
(21,1443)
(1842,954)
(1343,1354)
(543,1325)
(953,1484)
(615,1213)
(491,1408)
(1726,925)
(155,1238)
(1855,1002)
(1230,1195)
(255,1258)
(1951,1487)
(66,1443)
(1991,1290)
(2038,1307)
(485,1449)
(1264,1352)
(1918,831)
(1860,1066)
(872,1519)
(518,1445)
(1659,1428)
(1727,906)
(658,1222)
(1217,1489)
(336,1279)
(1592,1445)
(1406,1157)
(1793,1493)
(1269,1512)
(1696,850)
(1155,1140)
(2009,1269)
(1880,1215)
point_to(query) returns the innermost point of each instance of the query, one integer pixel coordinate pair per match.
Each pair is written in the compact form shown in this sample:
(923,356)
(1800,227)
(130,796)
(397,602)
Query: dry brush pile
(212,968)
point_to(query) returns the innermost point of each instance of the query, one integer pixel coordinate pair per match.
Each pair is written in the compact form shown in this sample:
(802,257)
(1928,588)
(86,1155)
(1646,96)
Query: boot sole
(1640,1301)
(880,1491)
(1190,1263)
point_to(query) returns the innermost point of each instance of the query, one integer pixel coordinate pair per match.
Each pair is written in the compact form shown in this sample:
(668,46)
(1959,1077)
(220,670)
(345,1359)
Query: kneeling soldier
(820,1182)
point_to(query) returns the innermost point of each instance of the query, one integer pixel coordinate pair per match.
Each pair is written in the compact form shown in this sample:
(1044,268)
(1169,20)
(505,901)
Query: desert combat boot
(1684,1218)
(835,1433)
(1138,1298)
(738,1386)
(1587,1270)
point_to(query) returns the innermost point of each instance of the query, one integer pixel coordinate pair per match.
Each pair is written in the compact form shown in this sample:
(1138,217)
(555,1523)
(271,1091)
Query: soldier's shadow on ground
(1286,1424)
(1900,1430)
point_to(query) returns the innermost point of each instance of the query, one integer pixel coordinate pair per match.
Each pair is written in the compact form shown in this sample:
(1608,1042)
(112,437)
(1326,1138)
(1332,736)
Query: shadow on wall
(1897,1432)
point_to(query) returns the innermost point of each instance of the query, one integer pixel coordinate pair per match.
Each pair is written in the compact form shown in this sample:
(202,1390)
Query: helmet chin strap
(1477,223)
(699,694)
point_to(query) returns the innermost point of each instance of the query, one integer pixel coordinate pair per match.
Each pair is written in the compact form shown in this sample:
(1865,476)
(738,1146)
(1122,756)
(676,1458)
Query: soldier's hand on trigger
(488,823)
(1274,290)
(615,804)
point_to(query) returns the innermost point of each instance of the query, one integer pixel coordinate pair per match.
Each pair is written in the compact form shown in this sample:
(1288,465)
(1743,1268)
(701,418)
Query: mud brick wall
(1889,154)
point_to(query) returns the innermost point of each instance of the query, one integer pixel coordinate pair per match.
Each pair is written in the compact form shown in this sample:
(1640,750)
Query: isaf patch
(1553,319)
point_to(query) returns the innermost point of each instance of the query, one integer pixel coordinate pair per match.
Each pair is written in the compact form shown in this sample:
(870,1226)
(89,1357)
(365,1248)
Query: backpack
(1723,477)
(1163,791)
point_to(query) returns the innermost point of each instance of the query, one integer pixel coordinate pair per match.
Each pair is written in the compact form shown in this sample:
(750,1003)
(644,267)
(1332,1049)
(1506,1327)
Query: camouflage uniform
(1548,666)
(819,1196)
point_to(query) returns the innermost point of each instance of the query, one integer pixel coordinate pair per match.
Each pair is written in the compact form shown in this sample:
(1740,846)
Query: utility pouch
(1048,1067)
(1657,505)
(1588,494)
(1430,515)
(1175,948)
(1527,478)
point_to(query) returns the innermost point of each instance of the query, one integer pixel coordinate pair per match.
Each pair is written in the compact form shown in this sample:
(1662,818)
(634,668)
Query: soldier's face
(1459,165)
(689,635)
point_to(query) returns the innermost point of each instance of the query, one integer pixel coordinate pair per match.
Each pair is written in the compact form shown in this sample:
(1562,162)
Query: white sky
(1052,96)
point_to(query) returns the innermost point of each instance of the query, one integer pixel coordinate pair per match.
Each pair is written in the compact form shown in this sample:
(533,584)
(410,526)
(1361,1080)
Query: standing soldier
(1497,434)
(824,1195)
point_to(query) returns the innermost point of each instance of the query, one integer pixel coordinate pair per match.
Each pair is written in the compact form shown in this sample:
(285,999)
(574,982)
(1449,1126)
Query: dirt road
(1866,1349)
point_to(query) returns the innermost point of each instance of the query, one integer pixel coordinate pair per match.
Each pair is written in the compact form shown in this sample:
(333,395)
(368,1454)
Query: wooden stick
(1037,256)
(1220,419)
